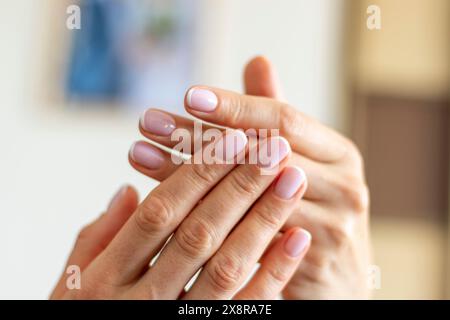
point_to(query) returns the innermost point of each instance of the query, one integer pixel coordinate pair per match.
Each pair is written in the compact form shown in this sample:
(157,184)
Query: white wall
(58,169)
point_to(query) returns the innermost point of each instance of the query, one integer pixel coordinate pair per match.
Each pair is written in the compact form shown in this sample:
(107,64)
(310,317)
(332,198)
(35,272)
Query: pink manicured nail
(272,151)
(201,100)
(146,155)
(297,242)
(157,122)
(230,145)
(289,182)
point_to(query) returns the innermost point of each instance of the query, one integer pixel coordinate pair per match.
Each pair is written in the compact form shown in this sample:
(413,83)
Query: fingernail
(272,151)
(201,100)
(119,194)
(146,155)
(230,145)
(289,182)
(297,242)
(157,122)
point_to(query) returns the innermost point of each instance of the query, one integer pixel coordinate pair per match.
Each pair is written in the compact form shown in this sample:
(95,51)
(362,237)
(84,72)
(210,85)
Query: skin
(115,251)
(335,206)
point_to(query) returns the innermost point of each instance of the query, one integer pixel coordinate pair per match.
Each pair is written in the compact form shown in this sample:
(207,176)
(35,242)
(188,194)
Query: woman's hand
(219,218)
(335,205)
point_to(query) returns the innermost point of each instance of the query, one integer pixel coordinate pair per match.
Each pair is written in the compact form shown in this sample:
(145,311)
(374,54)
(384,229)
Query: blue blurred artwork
(135,52)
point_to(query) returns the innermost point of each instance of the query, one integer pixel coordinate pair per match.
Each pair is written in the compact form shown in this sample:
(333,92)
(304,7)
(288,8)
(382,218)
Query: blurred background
(70,100)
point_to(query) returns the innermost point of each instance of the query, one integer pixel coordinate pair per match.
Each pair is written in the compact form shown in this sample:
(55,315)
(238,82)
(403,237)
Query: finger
(328,226)
(96,236)
(277,267)
(322,179)
(158,125)
(159,165)
(169,129)
(260,79)
(152,161)
(231,265)
(296,219)
(204,230)
(226,108)
(162,211)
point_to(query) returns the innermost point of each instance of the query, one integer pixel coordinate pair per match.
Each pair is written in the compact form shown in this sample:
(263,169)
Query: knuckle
(245,184)
(269,216)
(358,199)
(225,273)
(288,119)
(340,233)
(315,269)
(354,193)
(195,238)
(204,174)
(339,237)
(319,263)
(153,215)
(235,108)
(354,153)
(279,275)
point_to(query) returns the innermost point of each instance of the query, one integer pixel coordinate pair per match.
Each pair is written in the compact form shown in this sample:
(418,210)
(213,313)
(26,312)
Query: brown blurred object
(407,142)
(398,81)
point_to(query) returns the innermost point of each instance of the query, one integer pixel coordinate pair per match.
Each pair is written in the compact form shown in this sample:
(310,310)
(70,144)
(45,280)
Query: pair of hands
(114,252)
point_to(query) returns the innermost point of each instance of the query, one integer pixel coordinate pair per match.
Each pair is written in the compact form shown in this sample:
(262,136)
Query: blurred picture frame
(131,54)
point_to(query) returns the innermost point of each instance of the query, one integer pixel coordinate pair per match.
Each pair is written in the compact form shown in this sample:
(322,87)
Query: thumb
(260,79)
(94,238)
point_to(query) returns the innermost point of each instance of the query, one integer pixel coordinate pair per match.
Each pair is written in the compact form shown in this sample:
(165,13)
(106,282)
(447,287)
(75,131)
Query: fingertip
(131,195)
(126,198)
(117,198)
(130,151)
(285,143)
(258,63)
(290,182)
(188,96)
(201,99)
(297,241)
(257,76)
(146,155)
(260,78)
